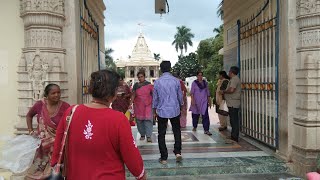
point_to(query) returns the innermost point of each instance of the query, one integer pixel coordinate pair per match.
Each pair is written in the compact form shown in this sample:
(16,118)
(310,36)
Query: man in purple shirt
(167,101)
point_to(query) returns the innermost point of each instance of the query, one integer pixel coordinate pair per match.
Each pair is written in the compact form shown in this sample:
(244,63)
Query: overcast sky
(122,18)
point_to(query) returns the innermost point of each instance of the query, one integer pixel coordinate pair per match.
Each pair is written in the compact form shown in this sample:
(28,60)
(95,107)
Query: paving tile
(210,157)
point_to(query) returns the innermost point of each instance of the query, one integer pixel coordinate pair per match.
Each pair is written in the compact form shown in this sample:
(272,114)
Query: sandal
(142,138)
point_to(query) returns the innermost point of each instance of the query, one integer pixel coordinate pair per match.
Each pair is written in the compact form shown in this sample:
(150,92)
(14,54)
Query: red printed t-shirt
(99,143)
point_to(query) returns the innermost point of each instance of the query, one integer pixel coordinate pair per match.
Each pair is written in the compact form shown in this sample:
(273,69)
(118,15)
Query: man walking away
(232,96)
(167,101)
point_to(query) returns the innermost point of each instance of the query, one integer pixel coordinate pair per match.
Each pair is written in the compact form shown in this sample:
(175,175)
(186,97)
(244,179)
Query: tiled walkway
(209,157)
(197,142)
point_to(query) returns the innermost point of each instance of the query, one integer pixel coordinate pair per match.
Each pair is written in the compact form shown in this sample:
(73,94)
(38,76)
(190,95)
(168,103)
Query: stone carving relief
(309,61)
(37,71)
(42,38)
(56,65)
(22,63)
(309,38)
(305,7)
(56,6)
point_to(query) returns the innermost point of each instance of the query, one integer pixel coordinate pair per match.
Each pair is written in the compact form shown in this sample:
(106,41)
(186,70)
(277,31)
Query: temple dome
(141,55)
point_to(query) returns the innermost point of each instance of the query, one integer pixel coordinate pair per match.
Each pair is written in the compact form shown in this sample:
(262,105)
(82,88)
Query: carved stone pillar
(156,71)
(136,70)
(148,73)
(42,59)
(306,143)
(127,73)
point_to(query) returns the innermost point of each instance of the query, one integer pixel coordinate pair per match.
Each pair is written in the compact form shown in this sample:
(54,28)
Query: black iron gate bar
(89,46)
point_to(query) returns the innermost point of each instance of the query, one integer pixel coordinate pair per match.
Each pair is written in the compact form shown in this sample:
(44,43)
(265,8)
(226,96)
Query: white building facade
(141,59)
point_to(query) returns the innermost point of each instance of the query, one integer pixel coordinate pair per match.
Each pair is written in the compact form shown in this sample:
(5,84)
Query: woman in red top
(49,111)
(100,140)
(184,108)
(122,101)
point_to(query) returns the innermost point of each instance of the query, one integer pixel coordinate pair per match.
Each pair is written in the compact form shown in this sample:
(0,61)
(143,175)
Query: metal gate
(258,60)
(89,48)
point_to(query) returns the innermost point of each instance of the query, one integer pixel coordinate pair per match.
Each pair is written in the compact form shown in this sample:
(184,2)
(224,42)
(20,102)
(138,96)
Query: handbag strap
(63,143)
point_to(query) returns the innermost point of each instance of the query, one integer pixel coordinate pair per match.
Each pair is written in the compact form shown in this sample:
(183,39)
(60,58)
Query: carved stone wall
(42,59)
(306,144)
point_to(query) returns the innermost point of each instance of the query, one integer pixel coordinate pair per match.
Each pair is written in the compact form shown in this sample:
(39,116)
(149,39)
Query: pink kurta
(143,102)
(183,116)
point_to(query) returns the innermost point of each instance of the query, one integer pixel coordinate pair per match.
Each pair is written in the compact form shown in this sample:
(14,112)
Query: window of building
(132,73)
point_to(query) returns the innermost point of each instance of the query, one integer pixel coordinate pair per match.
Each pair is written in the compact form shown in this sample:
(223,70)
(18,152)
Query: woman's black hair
(48,88)
(198,72)
(224,74)
(103,84)
(142,73)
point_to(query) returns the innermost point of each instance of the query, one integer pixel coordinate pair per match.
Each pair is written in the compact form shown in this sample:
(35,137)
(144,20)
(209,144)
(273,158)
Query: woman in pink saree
(49,111)
(142,105)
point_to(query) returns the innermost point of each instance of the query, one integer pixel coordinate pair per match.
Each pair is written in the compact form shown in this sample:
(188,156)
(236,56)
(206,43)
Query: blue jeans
(145,127)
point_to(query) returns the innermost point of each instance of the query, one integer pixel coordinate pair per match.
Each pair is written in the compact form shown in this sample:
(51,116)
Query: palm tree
(109,59)
(108,53)
(182,39)
(218,30)
(220,10)
(156,56)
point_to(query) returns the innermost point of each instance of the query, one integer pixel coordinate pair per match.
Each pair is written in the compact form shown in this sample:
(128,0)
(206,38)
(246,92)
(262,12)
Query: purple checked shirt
(167,96)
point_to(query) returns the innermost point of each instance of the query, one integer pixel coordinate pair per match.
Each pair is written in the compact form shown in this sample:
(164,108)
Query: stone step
(216,166)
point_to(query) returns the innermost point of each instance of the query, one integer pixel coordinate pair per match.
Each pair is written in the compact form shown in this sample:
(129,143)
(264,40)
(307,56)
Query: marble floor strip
(209,155)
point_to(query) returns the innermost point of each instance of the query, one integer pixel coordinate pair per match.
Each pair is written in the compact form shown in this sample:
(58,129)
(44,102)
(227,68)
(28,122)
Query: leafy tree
(182,39)
(110,64)
(209,58)
(156,56)
(205,51)
(121,72)
(187,66)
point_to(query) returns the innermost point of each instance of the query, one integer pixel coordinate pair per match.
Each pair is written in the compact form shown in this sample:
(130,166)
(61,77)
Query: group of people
(98,141)
(229,91)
